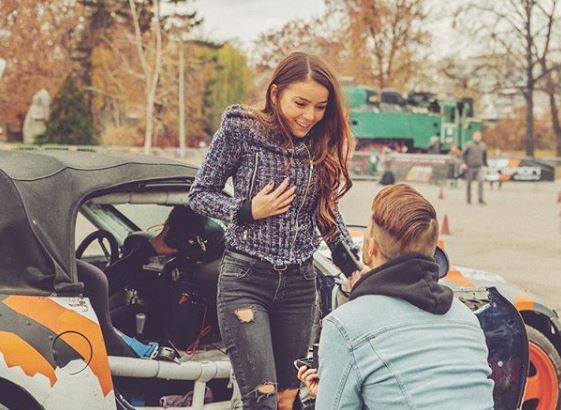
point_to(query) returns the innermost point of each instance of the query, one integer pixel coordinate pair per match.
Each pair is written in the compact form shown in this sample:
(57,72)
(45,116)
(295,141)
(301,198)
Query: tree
(71,120)
(101,16)
(373,41)
(229,84)
(34,41)
(151,71)
(553,90)
(549,69)
(389,33)
(518,35)
(298,34)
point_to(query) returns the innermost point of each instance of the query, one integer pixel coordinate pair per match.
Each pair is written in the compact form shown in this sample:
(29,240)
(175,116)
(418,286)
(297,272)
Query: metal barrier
(428,168)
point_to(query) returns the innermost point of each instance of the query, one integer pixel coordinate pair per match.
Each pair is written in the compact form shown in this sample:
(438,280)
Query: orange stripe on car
(59,319)
(456,276)
(18,353)
(523,302)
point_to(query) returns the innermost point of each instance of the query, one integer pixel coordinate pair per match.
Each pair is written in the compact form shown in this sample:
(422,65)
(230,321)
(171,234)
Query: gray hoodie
(244,149)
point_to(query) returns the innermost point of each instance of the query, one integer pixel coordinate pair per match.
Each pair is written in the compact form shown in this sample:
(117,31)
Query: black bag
(196,236)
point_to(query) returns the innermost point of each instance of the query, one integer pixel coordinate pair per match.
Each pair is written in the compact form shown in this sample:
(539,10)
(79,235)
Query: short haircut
(403,221)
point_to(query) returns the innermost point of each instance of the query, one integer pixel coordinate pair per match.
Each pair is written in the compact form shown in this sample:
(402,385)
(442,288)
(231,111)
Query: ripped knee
(245,315)
(265,390)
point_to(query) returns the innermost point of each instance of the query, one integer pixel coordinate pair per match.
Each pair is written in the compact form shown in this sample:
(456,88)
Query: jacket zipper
(303,201)
(251,187)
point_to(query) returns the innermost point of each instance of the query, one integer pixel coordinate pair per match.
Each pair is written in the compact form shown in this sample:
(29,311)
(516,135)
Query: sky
(246,19)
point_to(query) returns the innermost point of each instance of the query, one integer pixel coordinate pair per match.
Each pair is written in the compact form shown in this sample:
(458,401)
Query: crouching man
(403,341)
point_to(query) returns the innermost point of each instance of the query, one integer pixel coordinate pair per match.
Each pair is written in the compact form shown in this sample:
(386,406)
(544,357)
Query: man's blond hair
(403,221)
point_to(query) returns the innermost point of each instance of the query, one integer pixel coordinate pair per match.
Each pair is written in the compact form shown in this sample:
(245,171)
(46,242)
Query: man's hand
(357,274)
(269,201)
(160,246)
(310,378)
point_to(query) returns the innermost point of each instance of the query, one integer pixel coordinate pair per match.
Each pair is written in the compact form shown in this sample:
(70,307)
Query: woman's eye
(300,104)
(321,108)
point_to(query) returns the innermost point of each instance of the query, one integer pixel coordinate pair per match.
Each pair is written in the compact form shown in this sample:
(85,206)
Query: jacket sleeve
(341,235)
(339,381)
(221,161)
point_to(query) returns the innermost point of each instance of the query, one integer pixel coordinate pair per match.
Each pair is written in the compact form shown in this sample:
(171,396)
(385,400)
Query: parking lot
(517,234)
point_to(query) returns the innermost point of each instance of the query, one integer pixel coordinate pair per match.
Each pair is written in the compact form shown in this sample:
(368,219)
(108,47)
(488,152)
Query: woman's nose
(309,114)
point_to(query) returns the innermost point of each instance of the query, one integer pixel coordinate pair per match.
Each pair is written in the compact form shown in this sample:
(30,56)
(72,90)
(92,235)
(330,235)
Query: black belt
(259,263)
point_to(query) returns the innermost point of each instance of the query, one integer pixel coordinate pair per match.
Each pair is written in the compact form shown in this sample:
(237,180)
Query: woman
(288,163)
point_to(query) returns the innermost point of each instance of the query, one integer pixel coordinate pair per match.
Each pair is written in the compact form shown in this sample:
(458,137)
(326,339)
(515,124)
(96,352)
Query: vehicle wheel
(14,398)
(543,385)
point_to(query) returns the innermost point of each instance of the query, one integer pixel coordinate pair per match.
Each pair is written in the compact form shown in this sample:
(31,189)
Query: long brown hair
(330,138)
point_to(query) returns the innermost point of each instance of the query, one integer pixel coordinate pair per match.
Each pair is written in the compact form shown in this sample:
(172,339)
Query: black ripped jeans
(265,318)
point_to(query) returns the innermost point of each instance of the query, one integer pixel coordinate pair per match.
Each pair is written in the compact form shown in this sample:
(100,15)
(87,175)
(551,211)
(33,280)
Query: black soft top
(40,193)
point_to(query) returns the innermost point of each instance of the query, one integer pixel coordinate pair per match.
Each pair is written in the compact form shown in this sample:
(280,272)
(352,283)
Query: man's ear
(375,248)
(368,250)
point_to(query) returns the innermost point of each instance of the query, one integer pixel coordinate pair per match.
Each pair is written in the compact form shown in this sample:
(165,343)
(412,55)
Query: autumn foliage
(36,51)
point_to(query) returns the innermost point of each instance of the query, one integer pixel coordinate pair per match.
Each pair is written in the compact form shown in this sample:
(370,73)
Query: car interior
(171,301)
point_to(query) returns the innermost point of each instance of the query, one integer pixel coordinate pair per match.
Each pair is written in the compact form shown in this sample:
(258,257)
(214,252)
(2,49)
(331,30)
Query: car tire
(15,398)
(543,386)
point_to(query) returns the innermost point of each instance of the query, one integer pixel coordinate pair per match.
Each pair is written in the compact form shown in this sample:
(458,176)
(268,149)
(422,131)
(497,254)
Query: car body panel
(52,347)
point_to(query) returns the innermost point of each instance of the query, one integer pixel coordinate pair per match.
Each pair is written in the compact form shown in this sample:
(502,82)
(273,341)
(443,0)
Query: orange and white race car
(65,344)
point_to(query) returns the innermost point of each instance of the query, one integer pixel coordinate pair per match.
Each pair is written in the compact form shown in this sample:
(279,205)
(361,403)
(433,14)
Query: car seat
(96,288)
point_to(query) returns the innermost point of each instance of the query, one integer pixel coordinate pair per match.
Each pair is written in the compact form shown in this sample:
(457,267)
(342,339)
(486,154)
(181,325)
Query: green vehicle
(386,119)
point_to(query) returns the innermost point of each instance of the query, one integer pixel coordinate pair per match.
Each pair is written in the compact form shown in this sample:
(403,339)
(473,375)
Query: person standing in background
(474,158)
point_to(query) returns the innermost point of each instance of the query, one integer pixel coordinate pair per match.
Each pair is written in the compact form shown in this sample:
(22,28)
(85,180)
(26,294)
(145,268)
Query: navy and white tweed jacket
(243,149)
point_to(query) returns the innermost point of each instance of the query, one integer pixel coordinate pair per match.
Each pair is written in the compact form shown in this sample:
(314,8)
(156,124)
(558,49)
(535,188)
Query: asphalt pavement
(517,234)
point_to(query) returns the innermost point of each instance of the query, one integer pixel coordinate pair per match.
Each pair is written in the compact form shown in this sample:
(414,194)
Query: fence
(428,168)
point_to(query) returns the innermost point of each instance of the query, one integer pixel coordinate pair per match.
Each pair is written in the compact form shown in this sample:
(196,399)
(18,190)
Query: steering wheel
(100,235)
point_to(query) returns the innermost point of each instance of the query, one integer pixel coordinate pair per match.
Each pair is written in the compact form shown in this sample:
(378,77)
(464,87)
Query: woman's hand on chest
(272,201)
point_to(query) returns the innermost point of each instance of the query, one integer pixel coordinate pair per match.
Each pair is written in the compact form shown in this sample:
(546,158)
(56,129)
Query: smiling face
(302,104)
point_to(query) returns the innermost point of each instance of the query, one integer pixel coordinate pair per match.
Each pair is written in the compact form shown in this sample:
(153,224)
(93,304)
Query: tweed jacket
(245,150)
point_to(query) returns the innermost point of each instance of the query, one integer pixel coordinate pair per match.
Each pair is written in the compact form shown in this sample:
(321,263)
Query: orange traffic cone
(445,227)
(441,193)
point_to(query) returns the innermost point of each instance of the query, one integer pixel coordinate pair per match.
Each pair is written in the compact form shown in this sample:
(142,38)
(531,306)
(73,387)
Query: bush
(71,119)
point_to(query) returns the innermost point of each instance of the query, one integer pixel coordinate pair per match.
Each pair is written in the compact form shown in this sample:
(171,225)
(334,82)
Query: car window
(148,217)
(83,229)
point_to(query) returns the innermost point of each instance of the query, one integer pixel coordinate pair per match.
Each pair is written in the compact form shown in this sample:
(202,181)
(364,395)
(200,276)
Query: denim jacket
(383,352)
(245,150)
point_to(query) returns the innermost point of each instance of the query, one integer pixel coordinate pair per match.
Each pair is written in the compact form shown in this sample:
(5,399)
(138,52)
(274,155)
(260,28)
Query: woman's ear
(274,93)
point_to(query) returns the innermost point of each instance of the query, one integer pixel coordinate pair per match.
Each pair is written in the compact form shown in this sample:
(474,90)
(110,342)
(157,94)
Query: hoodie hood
(412,278)
(244,119)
